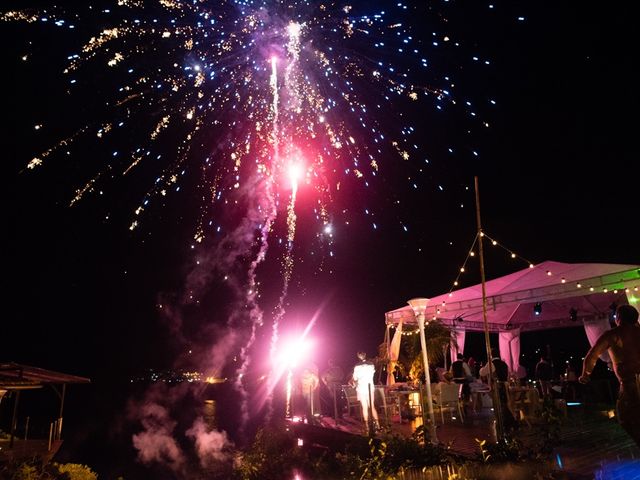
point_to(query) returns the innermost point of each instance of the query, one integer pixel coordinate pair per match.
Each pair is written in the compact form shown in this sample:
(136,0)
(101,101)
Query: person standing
(473,367)
(521,375)
(544,375)
(309,383)
(570,380)
(500,371)
(363,374)
(623,343)
(462,376)
(332,379)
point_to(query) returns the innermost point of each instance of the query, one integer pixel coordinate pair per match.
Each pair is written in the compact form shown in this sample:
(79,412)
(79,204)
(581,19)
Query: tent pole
(387,341)
(427,376)
(492,381)
(14,418)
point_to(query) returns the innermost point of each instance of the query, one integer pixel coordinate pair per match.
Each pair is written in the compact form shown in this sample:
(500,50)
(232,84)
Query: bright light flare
(293,29)
(293,353)
(295,172)
(289,356)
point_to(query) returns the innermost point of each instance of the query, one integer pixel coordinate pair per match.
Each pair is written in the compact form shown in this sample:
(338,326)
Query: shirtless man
(623,343)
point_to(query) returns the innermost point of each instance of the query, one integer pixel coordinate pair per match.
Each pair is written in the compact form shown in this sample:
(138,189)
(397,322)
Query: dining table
(480,395)
(524,401)
(407,399)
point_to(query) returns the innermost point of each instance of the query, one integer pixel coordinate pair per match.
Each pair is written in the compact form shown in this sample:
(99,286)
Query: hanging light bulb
(573,314)
(537,308)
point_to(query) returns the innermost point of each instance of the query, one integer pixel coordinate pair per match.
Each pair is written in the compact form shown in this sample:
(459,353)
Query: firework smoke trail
(276,150)
(255,313)
(293,48)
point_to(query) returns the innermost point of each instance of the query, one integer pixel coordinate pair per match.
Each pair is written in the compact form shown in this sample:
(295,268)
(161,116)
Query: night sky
(558,175)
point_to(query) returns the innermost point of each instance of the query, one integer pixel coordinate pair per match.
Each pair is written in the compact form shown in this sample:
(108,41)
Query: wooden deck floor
(461,437)
(593,446)
(28,449)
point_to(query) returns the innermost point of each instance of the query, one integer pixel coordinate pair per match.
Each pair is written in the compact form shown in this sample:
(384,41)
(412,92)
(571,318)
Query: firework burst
(261,102)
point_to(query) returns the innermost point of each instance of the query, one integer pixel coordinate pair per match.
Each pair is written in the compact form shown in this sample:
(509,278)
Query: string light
(573,314)
(537,308)
(472,253)
(512,254)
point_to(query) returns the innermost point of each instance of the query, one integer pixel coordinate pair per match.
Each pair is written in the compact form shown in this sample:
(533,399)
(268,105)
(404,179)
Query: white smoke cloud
(156,444)
(210,446)
(163,443)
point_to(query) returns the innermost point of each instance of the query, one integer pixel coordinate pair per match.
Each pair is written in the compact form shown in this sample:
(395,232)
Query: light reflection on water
(209,414)
(619,470)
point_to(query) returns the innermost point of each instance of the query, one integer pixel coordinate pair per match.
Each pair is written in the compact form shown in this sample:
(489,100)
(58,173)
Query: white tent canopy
(588,288)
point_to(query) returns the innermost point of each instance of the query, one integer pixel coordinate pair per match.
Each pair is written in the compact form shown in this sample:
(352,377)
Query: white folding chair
(448,398)
(385,402)
(352,400)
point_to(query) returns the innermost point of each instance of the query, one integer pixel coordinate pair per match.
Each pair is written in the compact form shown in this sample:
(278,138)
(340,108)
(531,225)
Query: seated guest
(544,375)
(462,375)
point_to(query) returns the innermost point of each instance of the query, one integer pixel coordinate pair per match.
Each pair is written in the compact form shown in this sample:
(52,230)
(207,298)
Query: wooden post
(445,354)
(370,409)
(387,341)
(492,382)
(64,391)
(26,429)
(14,419)
(50,436)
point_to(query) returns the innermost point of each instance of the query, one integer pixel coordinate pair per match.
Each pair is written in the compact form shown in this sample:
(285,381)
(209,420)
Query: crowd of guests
(322,393)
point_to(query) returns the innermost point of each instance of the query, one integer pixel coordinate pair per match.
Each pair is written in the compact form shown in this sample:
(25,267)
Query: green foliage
(273,455)
(536,444)
(391,455)
(52,471)
(507,450)
(26,471)
(547,430)
(484,452)
(438,336)
(75,471)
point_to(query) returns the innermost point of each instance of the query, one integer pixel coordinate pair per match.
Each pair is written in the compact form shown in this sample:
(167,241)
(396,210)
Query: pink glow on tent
(589,288)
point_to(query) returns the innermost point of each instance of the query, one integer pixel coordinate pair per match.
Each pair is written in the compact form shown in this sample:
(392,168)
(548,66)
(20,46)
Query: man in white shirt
(363,374)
